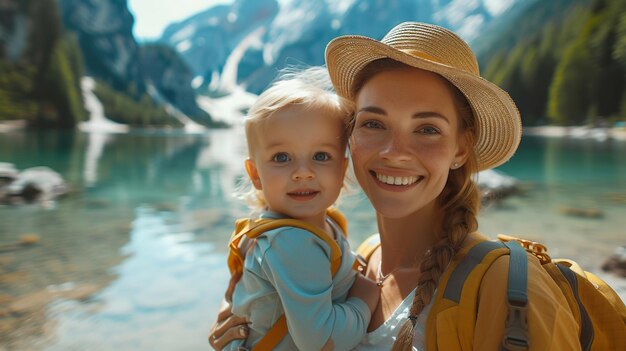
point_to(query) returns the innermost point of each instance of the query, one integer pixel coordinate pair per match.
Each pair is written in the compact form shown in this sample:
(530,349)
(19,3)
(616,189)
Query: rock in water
(496,185)
(7,171)
(581,212)
(37,184)
(617,262)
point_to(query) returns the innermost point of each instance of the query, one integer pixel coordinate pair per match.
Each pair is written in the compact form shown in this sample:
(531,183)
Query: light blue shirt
(288,271)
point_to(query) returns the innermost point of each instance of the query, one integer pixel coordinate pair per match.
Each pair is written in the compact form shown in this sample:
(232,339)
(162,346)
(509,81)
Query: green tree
(569,92)
(591,76)
(122,108)
(526,70)
(61,96)
(16,82)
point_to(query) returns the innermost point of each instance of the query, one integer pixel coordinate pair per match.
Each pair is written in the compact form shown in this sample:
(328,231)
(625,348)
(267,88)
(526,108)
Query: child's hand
(366,290)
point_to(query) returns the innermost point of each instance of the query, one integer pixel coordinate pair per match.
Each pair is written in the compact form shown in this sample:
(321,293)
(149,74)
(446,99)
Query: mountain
(46,46)
(104,30)
(125,72)
(247,44)
(561,58)
(171,77)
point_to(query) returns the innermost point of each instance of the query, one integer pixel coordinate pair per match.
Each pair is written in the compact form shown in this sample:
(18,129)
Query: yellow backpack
(251,229)
(598,310)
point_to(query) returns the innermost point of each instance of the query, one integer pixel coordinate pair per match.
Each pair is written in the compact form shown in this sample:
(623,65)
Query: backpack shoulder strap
(365,251)
(338,218)
(597,309)
(252,229)
(235,258)
(516,327)
(457,290)
(460,284)
(480,257)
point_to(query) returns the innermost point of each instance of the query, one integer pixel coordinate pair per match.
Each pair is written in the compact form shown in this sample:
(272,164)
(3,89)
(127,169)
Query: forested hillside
(40,66)
(563,62)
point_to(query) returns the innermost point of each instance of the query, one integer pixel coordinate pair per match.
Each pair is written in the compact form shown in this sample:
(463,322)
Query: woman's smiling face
(406,139)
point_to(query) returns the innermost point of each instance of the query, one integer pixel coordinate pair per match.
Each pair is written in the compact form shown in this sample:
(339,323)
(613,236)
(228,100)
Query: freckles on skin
(406,126)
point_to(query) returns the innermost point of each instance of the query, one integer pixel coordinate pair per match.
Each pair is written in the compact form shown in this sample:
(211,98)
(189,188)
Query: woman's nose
(395,148)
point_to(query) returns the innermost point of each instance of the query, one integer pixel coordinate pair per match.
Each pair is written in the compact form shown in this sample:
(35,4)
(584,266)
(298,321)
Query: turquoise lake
(146,222)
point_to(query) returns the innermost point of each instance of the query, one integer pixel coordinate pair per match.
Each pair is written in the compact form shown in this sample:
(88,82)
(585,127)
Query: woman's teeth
(396,180)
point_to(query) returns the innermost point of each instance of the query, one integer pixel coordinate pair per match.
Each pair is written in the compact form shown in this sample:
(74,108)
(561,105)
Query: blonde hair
(459,201)
(307,89)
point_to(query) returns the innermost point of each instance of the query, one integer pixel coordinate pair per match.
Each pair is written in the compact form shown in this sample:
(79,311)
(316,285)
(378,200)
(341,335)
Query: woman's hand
(227,328)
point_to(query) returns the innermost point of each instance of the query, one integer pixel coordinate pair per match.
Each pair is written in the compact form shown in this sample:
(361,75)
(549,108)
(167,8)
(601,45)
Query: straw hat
(438,50)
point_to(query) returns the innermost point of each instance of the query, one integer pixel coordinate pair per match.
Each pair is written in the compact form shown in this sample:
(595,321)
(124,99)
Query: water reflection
(166,291)
(95,146)
(174,188)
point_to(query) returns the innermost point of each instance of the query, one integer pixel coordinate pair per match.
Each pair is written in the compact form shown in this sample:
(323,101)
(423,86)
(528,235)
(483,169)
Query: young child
(297,136)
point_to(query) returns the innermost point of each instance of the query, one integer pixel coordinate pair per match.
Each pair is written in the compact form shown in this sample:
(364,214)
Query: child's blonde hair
(307,89)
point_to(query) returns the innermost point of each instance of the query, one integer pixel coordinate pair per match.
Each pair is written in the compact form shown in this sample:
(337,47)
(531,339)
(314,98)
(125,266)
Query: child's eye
(429,130)
(321,156)
(281,157)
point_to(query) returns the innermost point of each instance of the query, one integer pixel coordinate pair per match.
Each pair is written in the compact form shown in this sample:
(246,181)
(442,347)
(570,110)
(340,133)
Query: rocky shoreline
(578,132)
(12,125)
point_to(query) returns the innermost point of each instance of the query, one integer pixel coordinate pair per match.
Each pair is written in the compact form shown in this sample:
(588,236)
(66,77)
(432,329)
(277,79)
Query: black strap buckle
(516,329)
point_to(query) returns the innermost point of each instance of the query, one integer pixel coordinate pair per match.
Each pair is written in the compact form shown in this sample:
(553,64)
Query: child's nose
(303,172)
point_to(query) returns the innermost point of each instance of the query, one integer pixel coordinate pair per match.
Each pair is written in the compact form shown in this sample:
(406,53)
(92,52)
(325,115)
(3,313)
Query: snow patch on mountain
(97,121)
(228,81)
(231,108)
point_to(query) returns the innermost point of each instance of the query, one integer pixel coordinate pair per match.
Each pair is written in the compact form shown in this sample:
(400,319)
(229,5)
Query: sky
(152,16)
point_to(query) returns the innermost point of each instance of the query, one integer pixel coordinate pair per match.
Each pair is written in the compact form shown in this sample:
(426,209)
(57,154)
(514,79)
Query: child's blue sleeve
(234,345)
(299,267)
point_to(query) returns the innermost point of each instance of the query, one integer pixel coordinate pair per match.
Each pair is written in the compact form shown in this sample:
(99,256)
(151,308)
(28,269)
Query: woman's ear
(253,174)
(462,152)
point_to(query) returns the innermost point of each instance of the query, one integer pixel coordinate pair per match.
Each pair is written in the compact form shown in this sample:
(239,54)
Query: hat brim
(499,127)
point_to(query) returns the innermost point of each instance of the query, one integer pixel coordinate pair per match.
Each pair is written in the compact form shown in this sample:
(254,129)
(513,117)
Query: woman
(425,122)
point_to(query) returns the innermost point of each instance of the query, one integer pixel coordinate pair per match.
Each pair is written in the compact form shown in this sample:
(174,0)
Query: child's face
(299,162)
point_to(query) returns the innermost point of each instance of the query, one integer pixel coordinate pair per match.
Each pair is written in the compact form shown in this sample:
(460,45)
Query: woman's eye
(429,130)
(372,125)
(280,157)
(321,156)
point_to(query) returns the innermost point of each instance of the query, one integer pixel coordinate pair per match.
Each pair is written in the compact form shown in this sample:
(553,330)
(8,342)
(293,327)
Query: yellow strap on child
(273,336)
(254,228)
